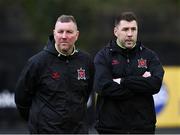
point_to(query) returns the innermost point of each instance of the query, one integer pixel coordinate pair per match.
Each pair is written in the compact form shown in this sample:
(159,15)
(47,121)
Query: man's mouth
(129,41)
(64,43)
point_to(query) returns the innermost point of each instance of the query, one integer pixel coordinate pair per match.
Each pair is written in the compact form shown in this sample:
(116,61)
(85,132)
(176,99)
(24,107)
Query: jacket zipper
(127,58)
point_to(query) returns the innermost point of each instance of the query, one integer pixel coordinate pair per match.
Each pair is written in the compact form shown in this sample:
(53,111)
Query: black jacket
(52,91)
(126,107)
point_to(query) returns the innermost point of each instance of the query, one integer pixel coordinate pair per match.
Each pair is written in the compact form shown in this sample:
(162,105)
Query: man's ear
(53,32)
(77,35)
(115,31)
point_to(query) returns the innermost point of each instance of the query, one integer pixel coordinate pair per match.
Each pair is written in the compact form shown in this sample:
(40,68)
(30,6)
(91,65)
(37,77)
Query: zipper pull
(67,61)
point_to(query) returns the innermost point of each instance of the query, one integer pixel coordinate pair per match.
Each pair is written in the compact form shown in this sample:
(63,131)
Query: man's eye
(133,29)
(69,31)
(60,31)
(125,29)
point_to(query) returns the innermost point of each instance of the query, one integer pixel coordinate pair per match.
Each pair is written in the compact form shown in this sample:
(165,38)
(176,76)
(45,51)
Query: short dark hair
(66,18)
(128,16)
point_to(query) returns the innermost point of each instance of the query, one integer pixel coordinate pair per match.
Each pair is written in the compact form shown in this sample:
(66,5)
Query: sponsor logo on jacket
(115,62)
(55,75)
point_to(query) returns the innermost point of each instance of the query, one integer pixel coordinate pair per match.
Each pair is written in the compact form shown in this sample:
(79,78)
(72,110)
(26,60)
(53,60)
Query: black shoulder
(148,50)
(38,57)
(103,52)
(106,49)
(150,53)
(84,54)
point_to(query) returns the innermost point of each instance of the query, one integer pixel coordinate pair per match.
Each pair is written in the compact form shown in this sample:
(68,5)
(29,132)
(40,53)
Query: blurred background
(26,24)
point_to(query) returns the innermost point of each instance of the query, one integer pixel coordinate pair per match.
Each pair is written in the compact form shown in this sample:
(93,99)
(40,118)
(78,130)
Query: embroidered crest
(55,75)
(142,63)
(81,74)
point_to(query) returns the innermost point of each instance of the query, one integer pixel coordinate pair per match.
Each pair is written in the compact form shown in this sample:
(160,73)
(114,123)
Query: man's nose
(64,35)
(129,33)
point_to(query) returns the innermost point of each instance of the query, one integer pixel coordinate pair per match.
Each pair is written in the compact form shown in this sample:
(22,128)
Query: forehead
(124,23)
(65,25)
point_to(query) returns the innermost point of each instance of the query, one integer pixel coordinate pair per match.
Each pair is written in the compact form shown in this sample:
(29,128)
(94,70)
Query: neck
(120,45)
(71,51)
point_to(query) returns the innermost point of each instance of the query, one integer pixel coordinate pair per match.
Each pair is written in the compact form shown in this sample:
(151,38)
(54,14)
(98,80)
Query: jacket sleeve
(91,78)
(104,84)
(25,89)
(150,85)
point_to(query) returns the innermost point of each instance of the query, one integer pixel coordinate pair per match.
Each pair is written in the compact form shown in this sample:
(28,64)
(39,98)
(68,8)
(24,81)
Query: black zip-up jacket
(127,107)
(53,90)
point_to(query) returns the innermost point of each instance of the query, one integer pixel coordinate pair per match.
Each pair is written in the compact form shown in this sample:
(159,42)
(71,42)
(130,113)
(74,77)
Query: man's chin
(129,46)
(64,50)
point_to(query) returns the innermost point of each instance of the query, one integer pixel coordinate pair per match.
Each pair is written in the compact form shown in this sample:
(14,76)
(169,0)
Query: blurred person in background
(54,86)
(127,75)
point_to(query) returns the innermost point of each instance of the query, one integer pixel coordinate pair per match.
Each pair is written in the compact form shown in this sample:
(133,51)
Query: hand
(118,80)
(146,74)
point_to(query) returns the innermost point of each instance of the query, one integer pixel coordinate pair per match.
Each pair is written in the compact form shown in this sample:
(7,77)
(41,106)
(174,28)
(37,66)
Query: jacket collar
(112,45)
(50,47)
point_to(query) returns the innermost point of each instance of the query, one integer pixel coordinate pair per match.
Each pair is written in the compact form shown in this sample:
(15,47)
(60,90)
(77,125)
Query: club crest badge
(81,74)
(142,63)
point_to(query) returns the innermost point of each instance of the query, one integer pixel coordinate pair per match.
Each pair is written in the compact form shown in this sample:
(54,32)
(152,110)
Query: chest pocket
(52,82)
(139,66)
(118,66)
(80,78)
(121,67)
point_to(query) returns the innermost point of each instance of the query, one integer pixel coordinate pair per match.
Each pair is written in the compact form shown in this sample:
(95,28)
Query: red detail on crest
(142,63)
(81,74)
(55,75)
(115,62)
